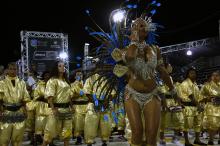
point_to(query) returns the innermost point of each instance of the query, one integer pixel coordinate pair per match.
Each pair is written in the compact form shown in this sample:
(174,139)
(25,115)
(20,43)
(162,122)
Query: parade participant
(138,59)
(41,107)
(204,132)
(58,93)
(211,94)
(141,95)
(180,126)
(98,112)
(171,115)
(32,80)
(80,105)
(143,61)
(14,97)
(190,95)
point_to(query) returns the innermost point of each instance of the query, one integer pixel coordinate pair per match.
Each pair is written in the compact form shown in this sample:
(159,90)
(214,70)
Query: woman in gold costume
(98,116)
(59,94)
(211,93)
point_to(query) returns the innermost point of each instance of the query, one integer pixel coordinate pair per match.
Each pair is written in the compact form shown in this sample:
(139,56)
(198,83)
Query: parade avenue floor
(116,141)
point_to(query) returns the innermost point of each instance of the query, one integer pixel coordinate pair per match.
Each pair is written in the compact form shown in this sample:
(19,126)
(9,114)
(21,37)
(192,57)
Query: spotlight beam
(119,16)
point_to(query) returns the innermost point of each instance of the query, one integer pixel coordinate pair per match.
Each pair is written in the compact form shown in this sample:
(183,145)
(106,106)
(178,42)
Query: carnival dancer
(31,82)
(14,97)
(141,93)
(98,112)
(190,95)
(59,94)
(41,107)
(211,94)
(80,103)
(138,59)
(171,116)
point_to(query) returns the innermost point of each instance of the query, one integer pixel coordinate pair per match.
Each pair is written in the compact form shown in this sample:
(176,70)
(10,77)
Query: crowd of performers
(55,107)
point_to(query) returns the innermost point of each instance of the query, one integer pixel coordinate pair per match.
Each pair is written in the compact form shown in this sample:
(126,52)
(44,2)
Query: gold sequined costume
(96,120)
(41,108)
(60,124)
(170,119)
(14,112)
(210,91)
(80,107)
(192,118)
(30,122)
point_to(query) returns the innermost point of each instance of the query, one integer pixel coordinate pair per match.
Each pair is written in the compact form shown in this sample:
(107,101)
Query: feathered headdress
(110,65)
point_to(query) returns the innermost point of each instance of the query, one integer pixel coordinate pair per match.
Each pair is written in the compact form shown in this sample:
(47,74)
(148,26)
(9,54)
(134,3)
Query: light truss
(188,45)
(24,47)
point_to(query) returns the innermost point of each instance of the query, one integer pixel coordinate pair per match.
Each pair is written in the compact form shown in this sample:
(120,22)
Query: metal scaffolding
(24,47)
(188,45)
(201,63)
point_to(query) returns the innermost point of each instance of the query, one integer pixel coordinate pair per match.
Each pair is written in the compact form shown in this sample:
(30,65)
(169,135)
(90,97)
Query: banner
(43,52)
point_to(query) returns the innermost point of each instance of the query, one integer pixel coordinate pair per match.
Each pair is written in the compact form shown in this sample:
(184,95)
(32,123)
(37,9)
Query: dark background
(183,20)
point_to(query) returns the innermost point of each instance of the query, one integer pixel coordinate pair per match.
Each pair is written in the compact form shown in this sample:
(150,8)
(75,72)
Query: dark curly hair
(188,71)
(55,73)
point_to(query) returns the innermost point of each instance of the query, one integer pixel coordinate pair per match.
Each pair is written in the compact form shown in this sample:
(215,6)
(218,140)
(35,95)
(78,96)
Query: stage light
(89,57)
(96,59)
(63,55)
(118,16)
(189,53)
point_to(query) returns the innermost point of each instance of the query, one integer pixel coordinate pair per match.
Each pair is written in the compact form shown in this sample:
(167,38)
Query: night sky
(183,20)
